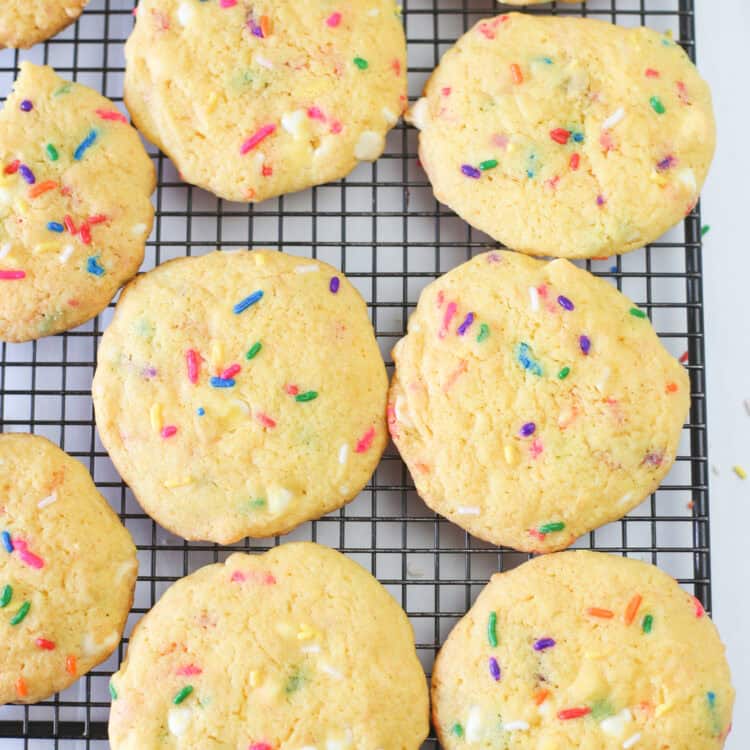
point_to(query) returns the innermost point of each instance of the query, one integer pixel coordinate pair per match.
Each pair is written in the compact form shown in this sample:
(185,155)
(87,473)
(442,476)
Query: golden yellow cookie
(23,23)
(583,650)
(67,571)
(75,209)
(564,136)
(241,393)
(532,402)
(255,99)
(296,649)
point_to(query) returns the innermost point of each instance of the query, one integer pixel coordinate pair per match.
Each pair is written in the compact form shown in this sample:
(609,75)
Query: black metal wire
(384,229)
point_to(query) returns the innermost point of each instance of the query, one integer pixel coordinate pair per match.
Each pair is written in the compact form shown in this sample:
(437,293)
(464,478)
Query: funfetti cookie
(564,136)
(240,394)
(67,571)
(532,402)
(255,99)
(297,648)
(583,650)
(23,23)
(75,209)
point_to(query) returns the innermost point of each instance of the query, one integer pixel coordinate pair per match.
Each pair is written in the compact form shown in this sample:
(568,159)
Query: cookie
(241,393)
(532,402)
(23,23)
(75,211)
(583,650)
(256,99)
(67,571)
(566,137)
(297,648)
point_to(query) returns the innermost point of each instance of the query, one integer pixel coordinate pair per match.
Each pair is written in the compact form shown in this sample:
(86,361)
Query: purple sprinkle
(27,174)
(528,429)
(493,258)
(585,343)
(257,31)
(334,285)
(666,163)
(600,200)
(150,372)
(494,669)
(543,643)
(470,171)
(468,320)
(26,106)
(565,302)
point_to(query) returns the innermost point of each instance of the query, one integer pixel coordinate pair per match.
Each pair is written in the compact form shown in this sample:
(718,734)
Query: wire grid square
(384,229)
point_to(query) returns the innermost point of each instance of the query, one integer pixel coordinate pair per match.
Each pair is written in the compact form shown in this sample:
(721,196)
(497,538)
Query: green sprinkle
(22,612)
(636,313)
(657,105)
(254,349)
(648,623)
(65,89)
(548,528)
(484,331)
(601,709)
(112,691)
(457,730)
(705,229)
(492,629)
(182,695)
(306,396)
(361,63)
(7,595)
(258,502)
(563,373)
(295,682)
(489,164)
(51,152)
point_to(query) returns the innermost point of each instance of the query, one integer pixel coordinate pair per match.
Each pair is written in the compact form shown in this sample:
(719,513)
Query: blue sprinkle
(7,543)
(247,302)
(86,143)
(526,360)
(578,137)
(546,60)
(55,226)
(529,173)
(93,266)
(711,698)
(201,411)
(222,382)
(27,174)
(613,269)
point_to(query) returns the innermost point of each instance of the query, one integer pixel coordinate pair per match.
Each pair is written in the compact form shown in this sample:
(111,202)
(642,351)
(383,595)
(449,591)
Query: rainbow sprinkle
(6,596)
(657,105)
(563,373)
(55,226)
(636,313)
(585,344)
(250,300)
(495,672)
(51,152)
(468,320)
(457,730)
(182,694)
(470,171)
(492,629)
(26,106)
(565,303)
(306,396)
(484,332)
(365,442)
(260,135)
(21,614)
(112,692)
(544,643)
(7,541)
(334,284)
(27,174)
(217,382)
(361,63)
(647,624)
(527,429)
(85,145)
(525,358)
(94,267)
(549,528)
(253,351)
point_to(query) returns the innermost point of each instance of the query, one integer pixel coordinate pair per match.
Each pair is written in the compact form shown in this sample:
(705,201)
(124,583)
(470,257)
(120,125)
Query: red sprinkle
(111,114)
(12,168)
(189,670)
(336,127)
(70,224)
(575,161)
(364,443)
(260,746)
(573,713)
(256,138)
(396,66)
(266,171)
(333,20)
(684,357)
(291,389)
(651,73)
(12,275)
(169,431)
(265,420)
(230,372)
(559,135)
(193,360)
(43,643)
(446,91)
(699,611)
(96,219)
(85,233)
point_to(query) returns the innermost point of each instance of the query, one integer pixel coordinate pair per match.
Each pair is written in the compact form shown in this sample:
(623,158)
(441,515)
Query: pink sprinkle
(537,534)
(536,448)
(699,611)
(365,442)
(262,577)
(259,135)
(111,114)
(169,431)
(450,311)
(238,576)
(32,560)
(265,420)
(230,372)
(501,141)
(314,113)
(440,298)
(446,91)
(227,3)
(542,289)
(193,365)
(651,73)
(260,746)
(12,275)
(336,127)
(291,389)
(189,670)
(334,20)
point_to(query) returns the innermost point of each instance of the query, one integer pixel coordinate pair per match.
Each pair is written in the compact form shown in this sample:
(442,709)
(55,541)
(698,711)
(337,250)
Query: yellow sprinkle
(260,259)
(511,455)
(256,677)
(44,247)
(662,708)
(157,421)
(170,484)
(217,355)
(740,472)
(668,33)
(213,99)
(21,207)
(659,179)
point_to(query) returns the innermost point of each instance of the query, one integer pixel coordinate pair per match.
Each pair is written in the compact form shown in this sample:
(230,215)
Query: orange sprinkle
(41,187)
(265,25)
(632,609)
(21,689)
(71,664)
(515,71)
(605,614)
(540,696)
(672,387)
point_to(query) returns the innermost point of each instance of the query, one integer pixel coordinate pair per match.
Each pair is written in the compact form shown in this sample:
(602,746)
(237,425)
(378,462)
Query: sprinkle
(96,219)
(515,726)
(540,696)
(585,344)
(7,541)
(600,200)
(84,145)
(12,275)
(26,106)
(492,629)
(473,724)
(219,383)
(647,624)
(575,161)
(27,174)
(70,224)
(265,420)
(613,119)
(12,168)
(111,114)
(169,431)
(631,741)
(573,713)
(200,411)
(740,472)
(259,135)
(6,596)
(364,443)
(651,73)
(563,373)
(184,693)
(21,688)
(27,557)
(230,372)
(51,152)
(559,135)
(544,643)
(565,303)
(534,298)
(549,528)
(52,498)
(361,63)
(636,313)
(525,358)
(192,359)
(666,163)
(306,396)
(334,284)
(488,164)
(457,730)
(684,357)
(71,664)
(515,73)
(494,669)
(527,429)
(705,229)
(55,226)
(470,171)
(94,267)
(604,614)
(112,691)
(291,389)
(240,307)
(484,332)
(656,105)
(333,20)
(40,188)
(468,320)
(632,609)
(468,510)
(85,233)
(343,453)
(22,612)
(44,644)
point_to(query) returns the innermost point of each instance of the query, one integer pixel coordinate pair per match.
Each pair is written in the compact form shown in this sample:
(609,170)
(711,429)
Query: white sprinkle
(178,720)
(66,253)
(615,725)
(390,117)
(47,500)
(631,741)
(305,269)
(184,13)
(294,122)
(473,724)
(313,648)
(515,726)
(746,403)
(687,178)
(263,62)
(418,114)
(343,453)
(5,249)
(401,412)
(329,670)
(139,228)
(344,490)
(613,119)
(278,499)
(468,510)
(534,298)
(369,146)
(414,571)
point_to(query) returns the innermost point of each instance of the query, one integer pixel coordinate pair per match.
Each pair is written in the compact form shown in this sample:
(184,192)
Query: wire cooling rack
(384,229)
